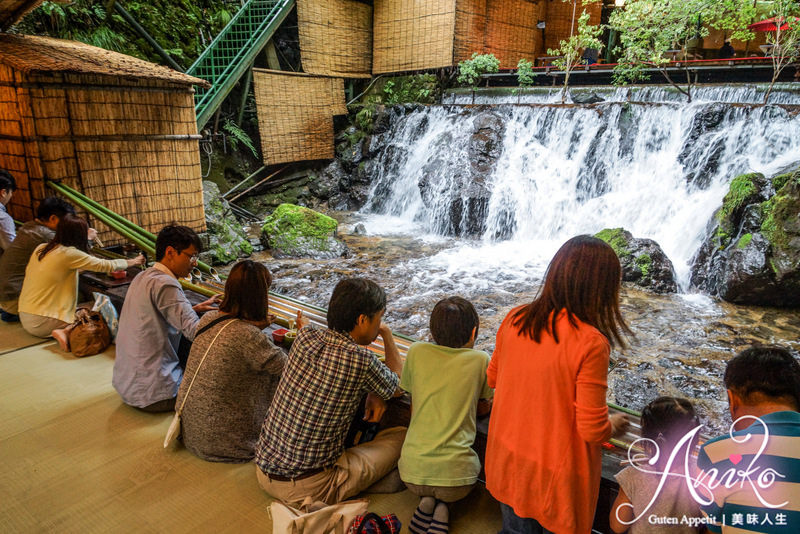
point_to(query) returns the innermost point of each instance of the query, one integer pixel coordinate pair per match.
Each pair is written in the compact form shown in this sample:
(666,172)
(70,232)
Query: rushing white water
(658,169)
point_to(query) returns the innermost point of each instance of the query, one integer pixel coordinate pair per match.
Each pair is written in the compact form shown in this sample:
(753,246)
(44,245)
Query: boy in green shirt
(446,381)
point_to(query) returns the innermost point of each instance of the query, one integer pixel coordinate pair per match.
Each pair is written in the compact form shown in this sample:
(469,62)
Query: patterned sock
(441,519)
(421,519)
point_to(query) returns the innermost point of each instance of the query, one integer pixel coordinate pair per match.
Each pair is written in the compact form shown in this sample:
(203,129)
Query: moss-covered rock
(753,253)
(297,232)
(643,262)
(227,239)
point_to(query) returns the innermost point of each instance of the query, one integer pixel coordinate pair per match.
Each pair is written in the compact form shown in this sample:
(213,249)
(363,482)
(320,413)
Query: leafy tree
(470,70)
(650,28)
(525,74)
(570,49)
(785,41)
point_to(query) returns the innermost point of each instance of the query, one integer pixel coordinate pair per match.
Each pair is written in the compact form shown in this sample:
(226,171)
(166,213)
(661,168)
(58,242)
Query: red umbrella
(769,25)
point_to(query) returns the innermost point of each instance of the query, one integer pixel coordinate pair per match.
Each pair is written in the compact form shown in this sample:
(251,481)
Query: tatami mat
(13,337)
(75,459)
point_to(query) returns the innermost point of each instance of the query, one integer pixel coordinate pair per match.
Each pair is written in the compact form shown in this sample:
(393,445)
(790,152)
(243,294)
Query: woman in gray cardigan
(234,386)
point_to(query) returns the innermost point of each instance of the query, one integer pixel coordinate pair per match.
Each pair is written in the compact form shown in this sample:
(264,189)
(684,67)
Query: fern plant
(237,135)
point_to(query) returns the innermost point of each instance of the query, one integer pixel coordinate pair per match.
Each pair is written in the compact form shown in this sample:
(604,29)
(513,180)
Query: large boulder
(752,252)
(297,232)
(643,262)
(227,239)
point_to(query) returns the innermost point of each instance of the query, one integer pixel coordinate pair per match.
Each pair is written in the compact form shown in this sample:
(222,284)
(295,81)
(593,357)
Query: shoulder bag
(175,425)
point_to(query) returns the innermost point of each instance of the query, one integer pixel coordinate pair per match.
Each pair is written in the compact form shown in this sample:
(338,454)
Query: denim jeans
(513,524)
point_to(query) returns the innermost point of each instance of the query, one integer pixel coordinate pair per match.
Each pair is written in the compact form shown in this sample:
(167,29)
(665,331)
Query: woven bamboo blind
(511,32)
(335,37)
(130,144)
(470,30)
(559,19)
(412,35)
(295,115)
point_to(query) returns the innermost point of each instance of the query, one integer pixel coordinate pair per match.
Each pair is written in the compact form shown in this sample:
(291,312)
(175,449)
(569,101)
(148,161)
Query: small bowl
(289,337)
(279,334)
(118,275)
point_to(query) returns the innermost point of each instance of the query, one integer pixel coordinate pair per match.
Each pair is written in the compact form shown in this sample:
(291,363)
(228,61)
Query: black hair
(666,420)
(53,206)
(7,181)
(768,370)
(351,298)
(452,322)
(247,291)
(178,237)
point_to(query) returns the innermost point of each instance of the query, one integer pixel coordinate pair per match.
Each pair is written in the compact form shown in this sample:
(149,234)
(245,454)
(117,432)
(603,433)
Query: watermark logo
(702,484)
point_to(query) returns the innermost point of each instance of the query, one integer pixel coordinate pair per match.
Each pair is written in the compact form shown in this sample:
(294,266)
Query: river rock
(297,232)
(643,262)
(227,238)
(752,252)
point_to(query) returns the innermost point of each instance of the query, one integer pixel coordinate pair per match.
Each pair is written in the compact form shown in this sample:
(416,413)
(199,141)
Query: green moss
(645,263)
(742,187)
(616,238)
(744,241)
(771,217)
(782,179)
(420,88)
(291,226)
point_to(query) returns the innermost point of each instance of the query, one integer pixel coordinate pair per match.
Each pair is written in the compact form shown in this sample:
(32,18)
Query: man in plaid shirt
(300,451)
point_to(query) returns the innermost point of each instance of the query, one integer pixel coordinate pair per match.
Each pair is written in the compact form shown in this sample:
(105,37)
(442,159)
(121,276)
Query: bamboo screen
(412,35)
(13,10)
(130,144)
(295,115)
(559,19)
(470,29)
(335,37)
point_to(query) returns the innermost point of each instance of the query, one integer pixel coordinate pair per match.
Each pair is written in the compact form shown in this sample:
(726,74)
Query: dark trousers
(513,524)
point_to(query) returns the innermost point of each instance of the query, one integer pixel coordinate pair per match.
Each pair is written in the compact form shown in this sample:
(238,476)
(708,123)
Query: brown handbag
(89,334)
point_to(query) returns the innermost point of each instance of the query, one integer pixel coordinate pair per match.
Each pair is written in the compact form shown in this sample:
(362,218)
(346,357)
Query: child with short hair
(665,421)
(446,381)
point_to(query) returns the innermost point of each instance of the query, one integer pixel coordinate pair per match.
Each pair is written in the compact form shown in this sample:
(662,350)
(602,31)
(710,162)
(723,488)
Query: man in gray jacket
(155,315)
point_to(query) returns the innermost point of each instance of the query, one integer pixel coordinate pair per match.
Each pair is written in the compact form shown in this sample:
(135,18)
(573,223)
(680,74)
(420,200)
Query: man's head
(177,247)
(7,186)
(356,308)
(51,210)
(454,323)
(763,379)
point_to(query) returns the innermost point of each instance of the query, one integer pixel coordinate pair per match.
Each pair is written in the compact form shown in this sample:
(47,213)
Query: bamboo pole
(259,183)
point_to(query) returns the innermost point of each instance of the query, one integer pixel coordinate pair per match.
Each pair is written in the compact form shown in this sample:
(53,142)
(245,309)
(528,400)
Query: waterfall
(543,173)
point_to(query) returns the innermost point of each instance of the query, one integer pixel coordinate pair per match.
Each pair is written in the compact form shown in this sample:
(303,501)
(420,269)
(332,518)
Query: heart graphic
(735,458)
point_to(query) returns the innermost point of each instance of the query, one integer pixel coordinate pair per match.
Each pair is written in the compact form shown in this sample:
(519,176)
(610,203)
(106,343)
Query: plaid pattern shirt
(324,380)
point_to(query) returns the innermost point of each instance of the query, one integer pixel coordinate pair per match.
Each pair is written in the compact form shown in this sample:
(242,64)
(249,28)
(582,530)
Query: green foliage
(645,263)
(786,42)
(175,24)
(419,88)
(781,180)
(650,28)
(744,241)
(616,238)
(525,74)
(364,118)
(470,70)
(236,135)
(570,49)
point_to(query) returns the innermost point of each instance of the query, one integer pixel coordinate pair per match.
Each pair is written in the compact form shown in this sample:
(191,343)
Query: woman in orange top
(550,415)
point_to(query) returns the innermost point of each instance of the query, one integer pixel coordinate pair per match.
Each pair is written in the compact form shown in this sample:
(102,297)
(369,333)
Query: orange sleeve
(591,410)
(491,371)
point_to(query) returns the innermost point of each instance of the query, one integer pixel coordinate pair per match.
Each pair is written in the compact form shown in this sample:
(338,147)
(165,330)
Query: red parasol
(768,25)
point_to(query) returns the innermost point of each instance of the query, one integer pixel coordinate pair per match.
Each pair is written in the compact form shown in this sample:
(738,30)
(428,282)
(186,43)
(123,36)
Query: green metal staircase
(232,52)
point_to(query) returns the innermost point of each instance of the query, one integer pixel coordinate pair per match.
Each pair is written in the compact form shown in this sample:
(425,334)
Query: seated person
(32,234)
(7,230)
(301,450)
(49,295)
(727,51)
(154,316)
(233,370)
(763,388)
(446,381)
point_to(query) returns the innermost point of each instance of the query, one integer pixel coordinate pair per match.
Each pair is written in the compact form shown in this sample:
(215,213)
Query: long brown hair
(583,278)
(247,291)
(72,231)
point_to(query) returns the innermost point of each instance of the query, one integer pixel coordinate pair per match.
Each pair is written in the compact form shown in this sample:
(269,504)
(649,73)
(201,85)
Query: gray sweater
(222,417)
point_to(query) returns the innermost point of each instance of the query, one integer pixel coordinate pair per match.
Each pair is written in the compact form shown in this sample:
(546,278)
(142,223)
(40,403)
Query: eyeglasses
(192,257)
